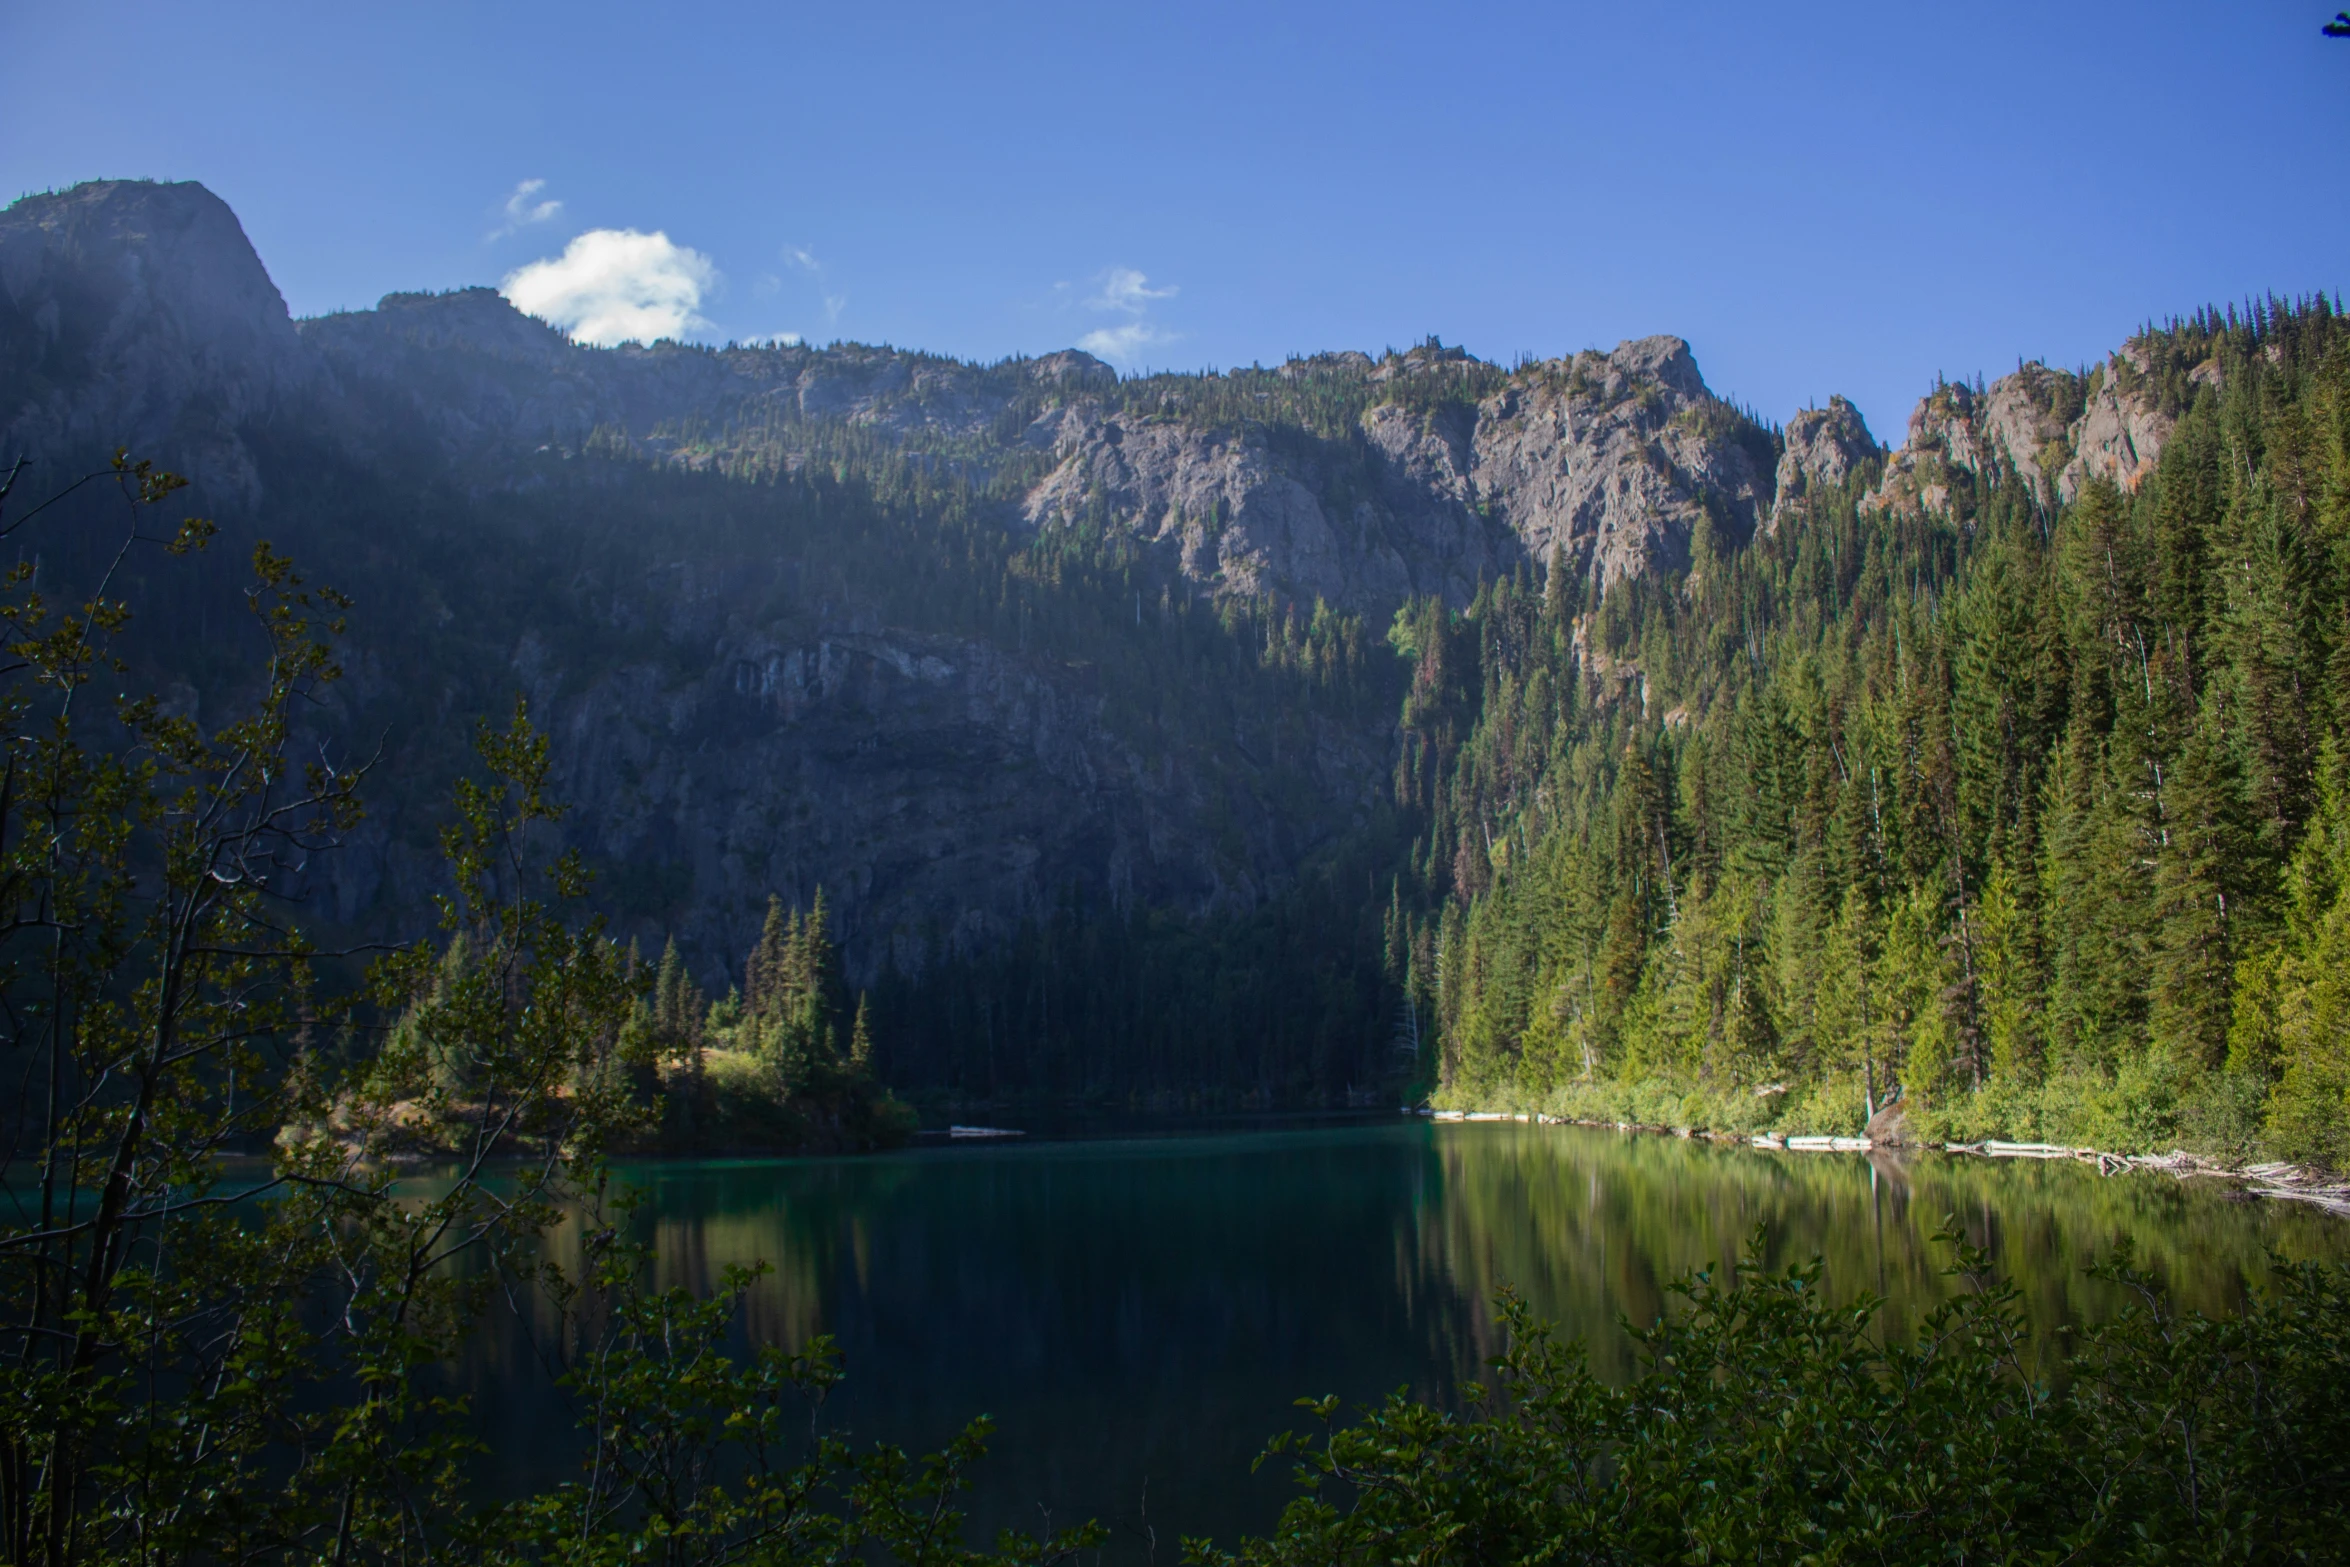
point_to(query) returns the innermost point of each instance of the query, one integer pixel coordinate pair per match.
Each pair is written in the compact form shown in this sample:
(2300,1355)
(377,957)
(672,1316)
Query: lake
(1138,1313)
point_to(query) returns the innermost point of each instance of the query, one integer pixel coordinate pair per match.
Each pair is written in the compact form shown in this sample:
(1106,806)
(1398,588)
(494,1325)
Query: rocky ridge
(489,380)
(1823,449)
(134,312)
(1609,464)
(2056,430)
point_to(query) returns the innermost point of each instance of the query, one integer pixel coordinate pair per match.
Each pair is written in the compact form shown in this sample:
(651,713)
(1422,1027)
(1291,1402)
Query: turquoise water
(1138,1314)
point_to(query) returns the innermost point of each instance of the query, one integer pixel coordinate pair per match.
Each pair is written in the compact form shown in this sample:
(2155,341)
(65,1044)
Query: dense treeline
(2035,813)
(1285,1004)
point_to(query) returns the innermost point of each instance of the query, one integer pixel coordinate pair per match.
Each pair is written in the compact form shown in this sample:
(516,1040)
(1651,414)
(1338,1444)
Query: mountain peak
(135,312)
(175,246)
(1663,359)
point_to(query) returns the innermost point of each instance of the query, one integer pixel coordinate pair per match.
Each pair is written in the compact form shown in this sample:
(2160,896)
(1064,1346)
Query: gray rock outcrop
(1607,463)
(2122,430)
(1231,514)
(2056,430)
(1824,448)
(1610,464)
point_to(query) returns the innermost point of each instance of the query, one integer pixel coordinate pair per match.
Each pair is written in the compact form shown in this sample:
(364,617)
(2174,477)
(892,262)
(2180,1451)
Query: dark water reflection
(1138,1314)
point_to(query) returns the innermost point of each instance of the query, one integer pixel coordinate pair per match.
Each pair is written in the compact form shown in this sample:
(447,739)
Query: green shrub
(1766,1425)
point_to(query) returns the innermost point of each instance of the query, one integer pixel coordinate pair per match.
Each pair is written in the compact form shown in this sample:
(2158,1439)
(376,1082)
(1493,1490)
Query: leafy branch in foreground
(218,1307)
(1767,1425)
(148,975)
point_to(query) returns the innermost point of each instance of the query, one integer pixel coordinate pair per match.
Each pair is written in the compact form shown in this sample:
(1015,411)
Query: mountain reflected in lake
(1139,1314)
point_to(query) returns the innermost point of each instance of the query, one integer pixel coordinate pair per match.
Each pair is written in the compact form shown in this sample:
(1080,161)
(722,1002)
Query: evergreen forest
(2034,815)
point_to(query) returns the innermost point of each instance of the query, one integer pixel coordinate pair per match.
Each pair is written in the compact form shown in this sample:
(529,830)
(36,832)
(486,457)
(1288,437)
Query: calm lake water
(1138,1314)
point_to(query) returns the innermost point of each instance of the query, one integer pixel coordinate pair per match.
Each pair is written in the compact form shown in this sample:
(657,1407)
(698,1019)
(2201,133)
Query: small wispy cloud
(524,208)
(773,340)
(616,286)
(802,259)
(1125,343)
(1127,292)
(1123,288)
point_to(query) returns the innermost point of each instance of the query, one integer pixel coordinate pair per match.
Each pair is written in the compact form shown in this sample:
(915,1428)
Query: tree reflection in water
(1138,1314)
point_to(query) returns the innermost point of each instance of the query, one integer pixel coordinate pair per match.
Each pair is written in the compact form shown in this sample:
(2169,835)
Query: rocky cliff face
(1610,464)
(1607,463)
(940,789)
(1825,447)
(2056,430)
(1230,513)
(2122,429)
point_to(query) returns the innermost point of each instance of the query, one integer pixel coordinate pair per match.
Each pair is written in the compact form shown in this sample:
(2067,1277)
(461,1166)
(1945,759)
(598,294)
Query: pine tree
(679,1009)
(2204,845)
(861,1037)
(763,970)
(1850,1017)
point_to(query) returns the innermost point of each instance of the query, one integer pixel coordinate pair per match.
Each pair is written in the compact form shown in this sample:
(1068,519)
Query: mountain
(1148,736)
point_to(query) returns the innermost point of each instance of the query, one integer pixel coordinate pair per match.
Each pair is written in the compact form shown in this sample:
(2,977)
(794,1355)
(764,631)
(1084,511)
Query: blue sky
(1821,198)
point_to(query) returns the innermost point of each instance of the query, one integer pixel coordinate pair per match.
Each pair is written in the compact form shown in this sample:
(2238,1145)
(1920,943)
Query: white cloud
(523,208)
(773,340)
(1129,293)
(805,259)
(616,286)
(1125,289)
(1124,343)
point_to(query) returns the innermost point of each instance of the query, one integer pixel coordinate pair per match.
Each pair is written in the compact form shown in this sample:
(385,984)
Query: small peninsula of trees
(781,1064)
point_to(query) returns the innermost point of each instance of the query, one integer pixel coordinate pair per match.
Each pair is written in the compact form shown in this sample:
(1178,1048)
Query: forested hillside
(1559,734)
(2033,808)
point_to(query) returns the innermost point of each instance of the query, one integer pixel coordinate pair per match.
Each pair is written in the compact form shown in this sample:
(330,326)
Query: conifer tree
(763,971)
(861,1036)
(2194,950)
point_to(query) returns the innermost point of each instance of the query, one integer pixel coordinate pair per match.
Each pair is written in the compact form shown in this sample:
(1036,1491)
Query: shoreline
(2269,1180)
